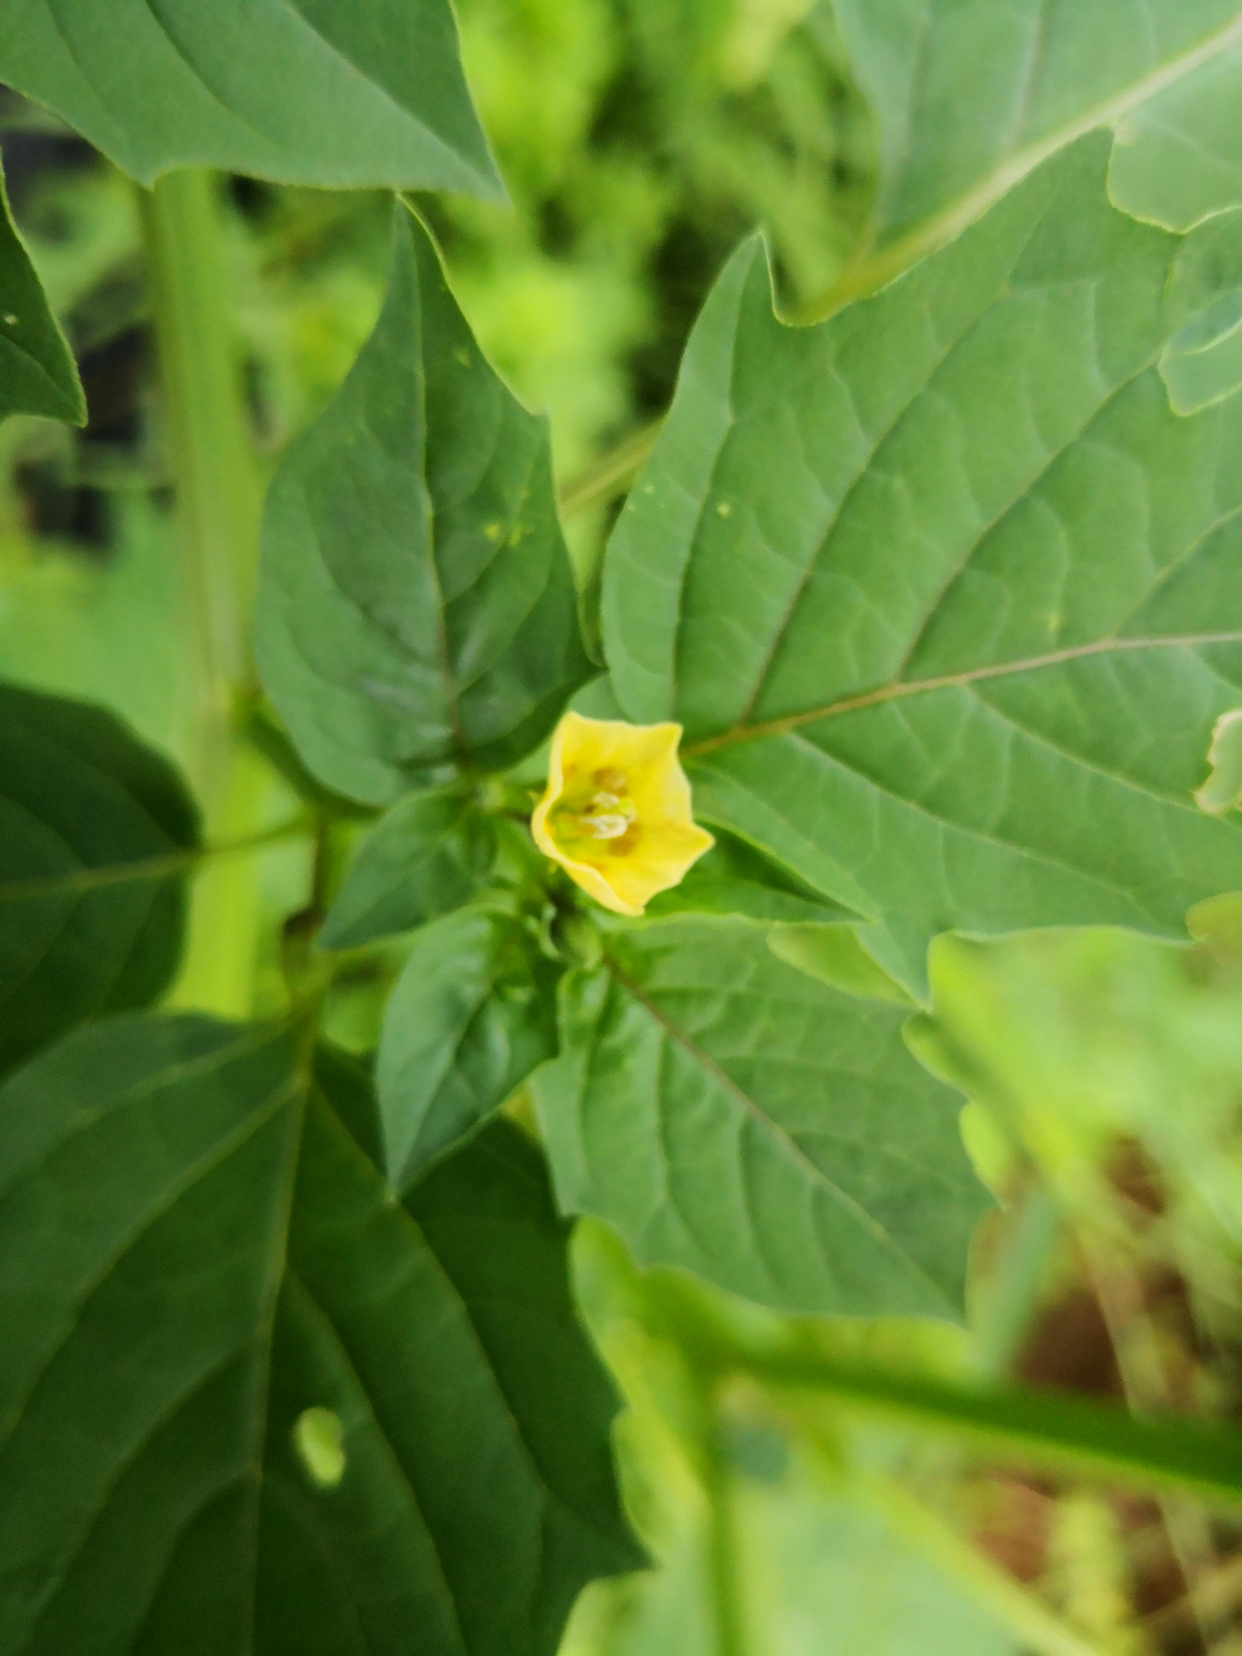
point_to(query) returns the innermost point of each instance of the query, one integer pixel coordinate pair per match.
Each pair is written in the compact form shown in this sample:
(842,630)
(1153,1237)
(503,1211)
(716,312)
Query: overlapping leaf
(417,609)
(94,831)
(329,92)
(969,97)
(235,1261)
(422,859)
(471,1016)
(946,594)
(734,1116)
(1178,157)
(37,372)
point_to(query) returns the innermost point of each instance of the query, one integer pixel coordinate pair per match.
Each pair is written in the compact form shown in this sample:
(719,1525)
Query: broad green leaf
(423,859)
(96,835)
(970,96)
(472,1014)
(37,371)
(945,594)
(247,1404)
(329,92)
(734,1116)
(417,609)
(1178,157)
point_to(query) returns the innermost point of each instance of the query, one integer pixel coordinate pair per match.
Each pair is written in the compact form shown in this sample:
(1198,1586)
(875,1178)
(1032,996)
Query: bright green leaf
(235,1264)
(833,954)
(421,860)
(37,371)
(734,1116)
(96,834)
(970,96)
(417,609)
(945,594)
(1223,789)
(471,1016)
(328,92)
(733,878)
(1178,157)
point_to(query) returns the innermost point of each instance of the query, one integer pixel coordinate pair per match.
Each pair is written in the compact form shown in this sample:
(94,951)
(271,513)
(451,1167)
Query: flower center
(604,813)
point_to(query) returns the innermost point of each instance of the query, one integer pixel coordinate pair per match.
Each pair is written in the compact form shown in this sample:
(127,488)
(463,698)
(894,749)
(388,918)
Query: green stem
(218,514)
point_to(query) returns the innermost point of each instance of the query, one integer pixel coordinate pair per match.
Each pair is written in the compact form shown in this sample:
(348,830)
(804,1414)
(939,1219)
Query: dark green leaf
(969,96)
(946,595)
(246,1405)
(37,372)
(417,610)
(329,92)
(471,1016)
(95,836)
(734,1116)
(423,859)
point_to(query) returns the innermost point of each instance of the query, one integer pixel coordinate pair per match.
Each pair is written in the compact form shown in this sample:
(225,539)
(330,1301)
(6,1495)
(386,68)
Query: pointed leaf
(423,859)
(946,595)
(37,371)
(246,1404)
(731,1115)
(417,609)
(472,1015)
(329,92)
(95,836)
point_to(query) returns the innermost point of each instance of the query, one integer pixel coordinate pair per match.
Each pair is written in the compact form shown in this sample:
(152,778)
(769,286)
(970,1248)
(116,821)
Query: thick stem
(217,496)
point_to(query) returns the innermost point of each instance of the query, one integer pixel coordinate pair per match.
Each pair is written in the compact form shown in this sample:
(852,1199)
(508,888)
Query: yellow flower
(616,814)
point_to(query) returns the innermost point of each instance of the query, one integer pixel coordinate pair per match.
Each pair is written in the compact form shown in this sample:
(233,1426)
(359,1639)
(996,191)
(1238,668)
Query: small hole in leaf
(319,1443)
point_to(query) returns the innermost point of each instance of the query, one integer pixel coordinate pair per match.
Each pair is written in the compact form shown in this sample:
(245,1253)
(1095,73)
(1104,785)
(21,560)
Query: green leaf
(969,97)
(472,1014)
(237,1294)
(37,370)
(733,878)
(1203,364)
(945,594)
(423,859)
(1178,157)
(731,1115)
(338,93)
(1223,789)
(96,834)
(417,609)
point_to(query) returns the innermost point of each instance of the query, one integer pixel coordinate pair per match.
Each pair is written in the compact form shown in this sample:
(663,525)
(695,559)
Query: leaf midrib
(849,1204)
(899,689)
(950,221)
